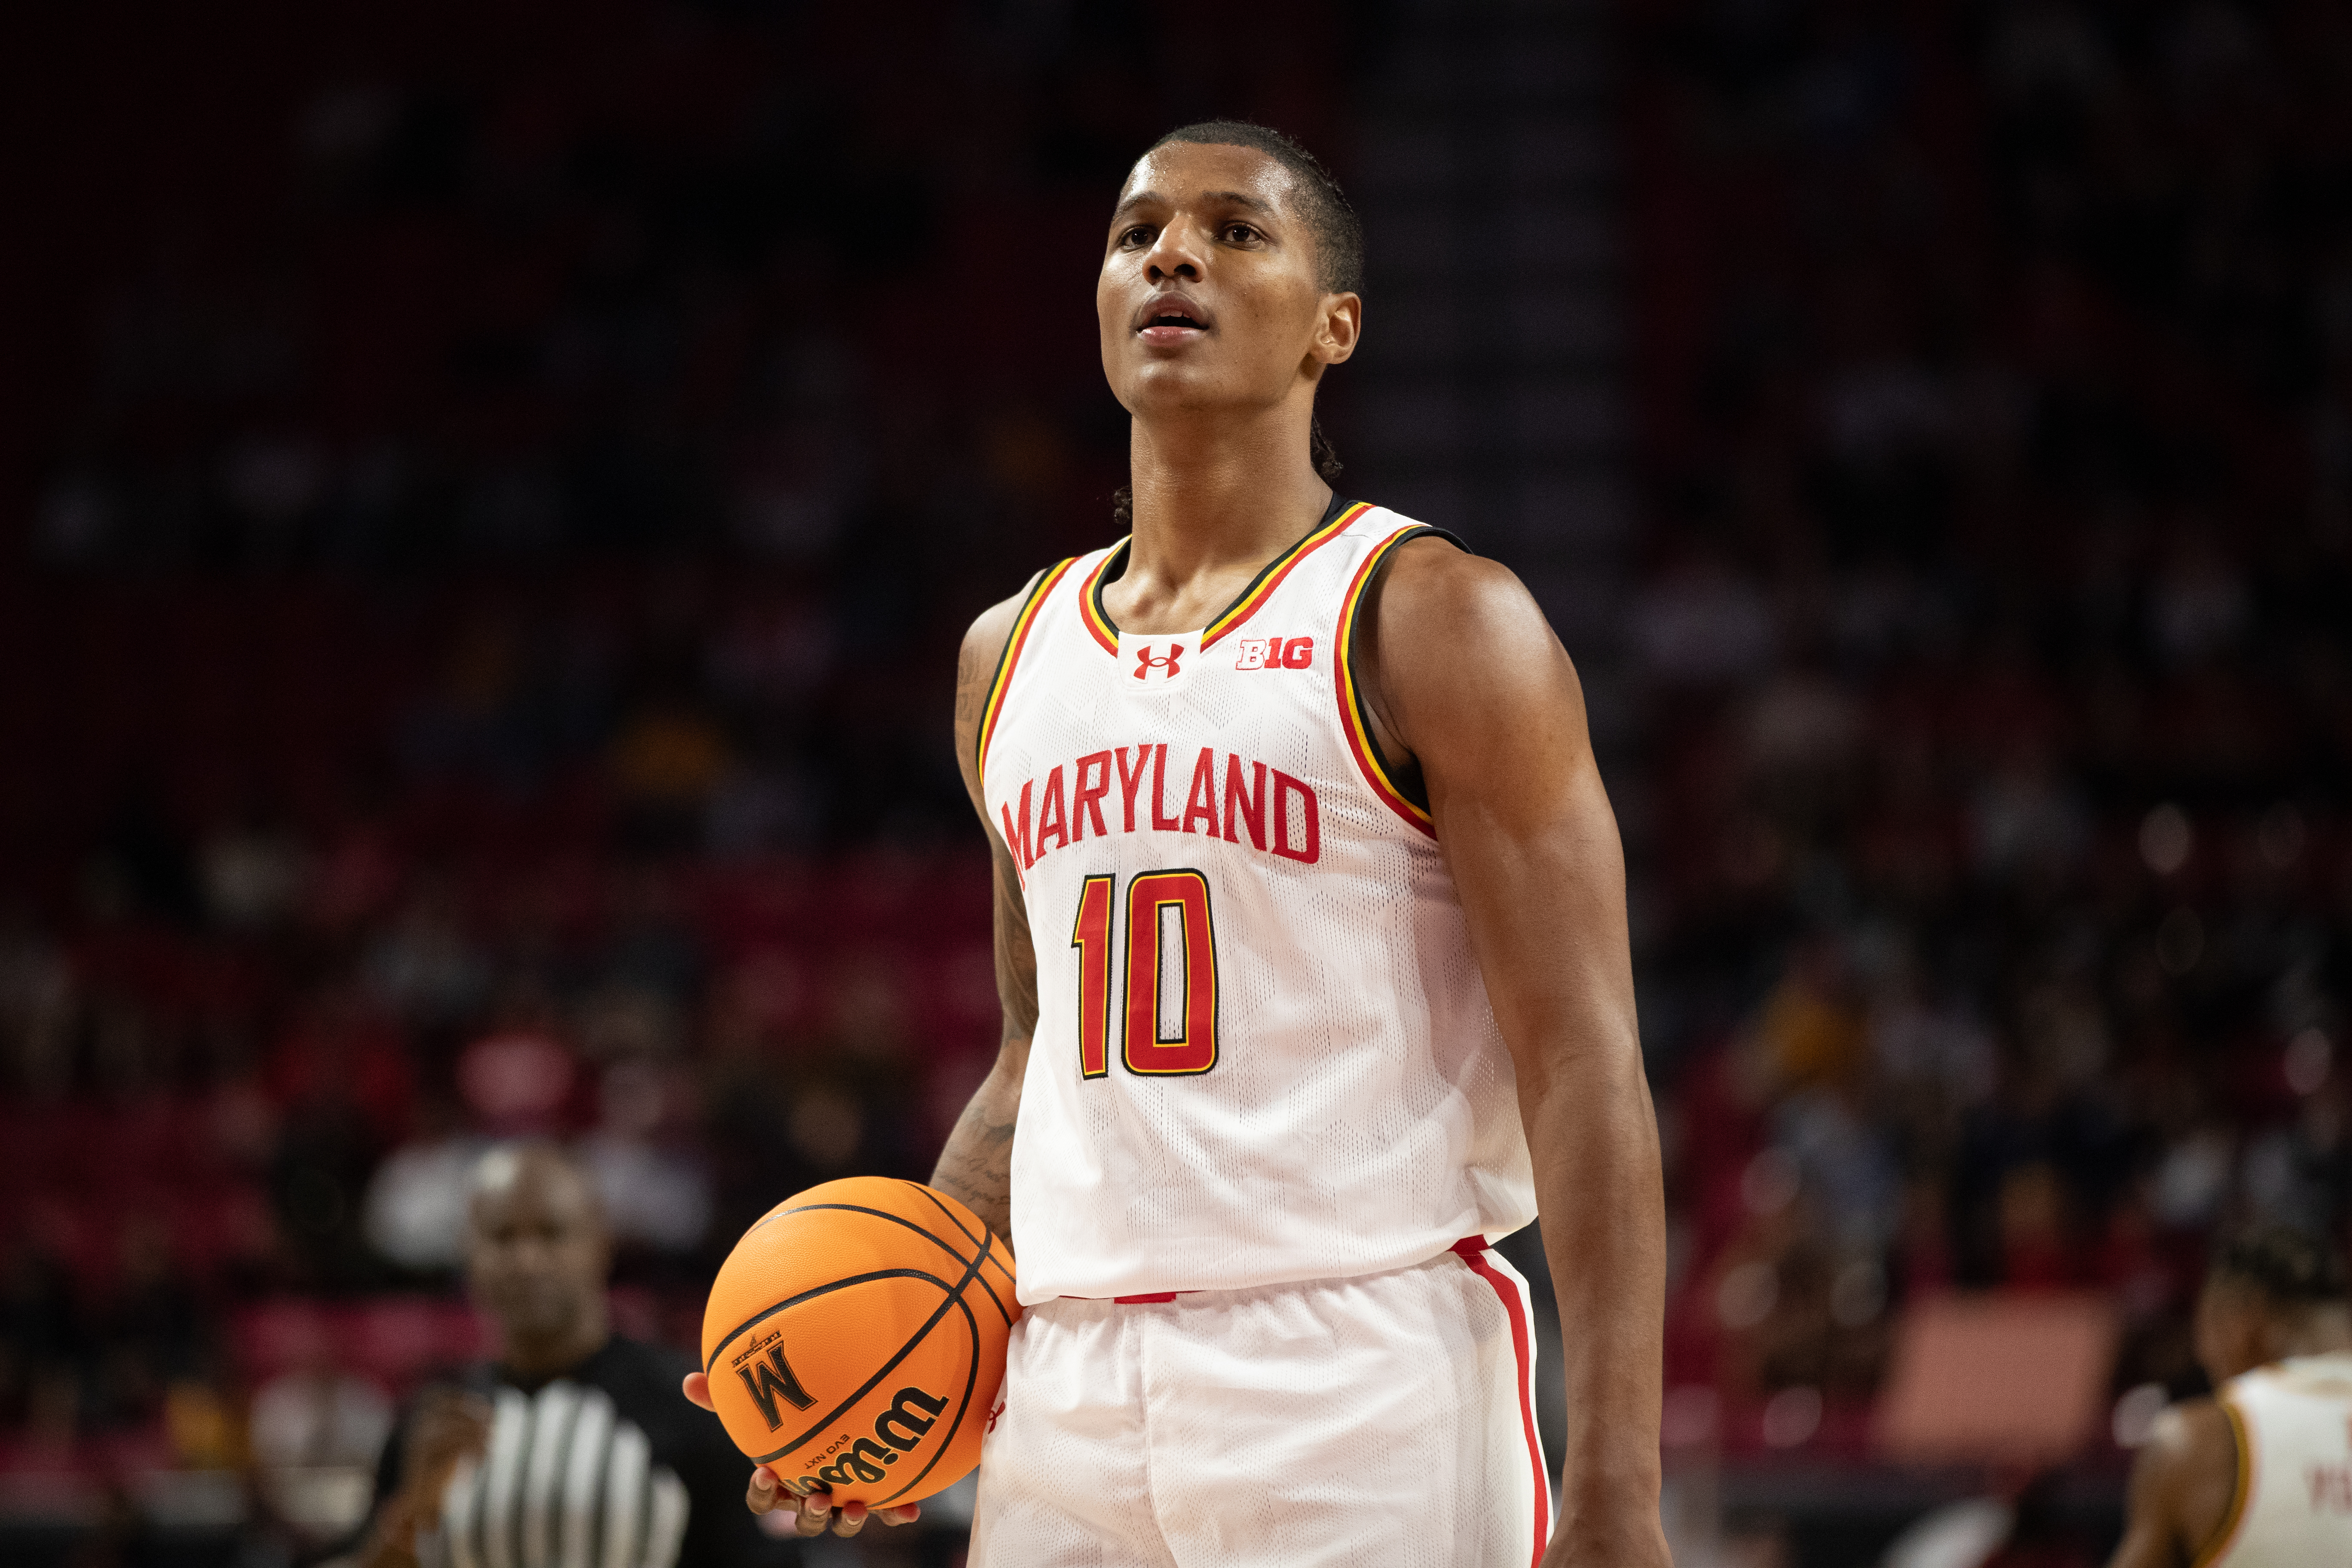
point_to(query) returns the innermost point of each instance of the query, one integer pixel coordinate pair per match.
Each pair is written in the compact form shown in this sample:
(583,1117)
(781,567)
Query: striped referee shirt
(607,1467)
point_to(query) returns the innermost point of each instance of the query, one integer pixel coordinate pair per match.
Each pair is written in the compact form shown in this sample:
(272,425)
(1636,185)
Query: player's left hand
(813,1511)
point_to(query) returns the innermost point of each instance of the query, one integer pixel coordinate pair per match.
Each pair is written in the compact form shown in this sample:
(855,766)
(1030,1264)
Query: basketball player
(1310,934)
(2260,1476)
(572,1447)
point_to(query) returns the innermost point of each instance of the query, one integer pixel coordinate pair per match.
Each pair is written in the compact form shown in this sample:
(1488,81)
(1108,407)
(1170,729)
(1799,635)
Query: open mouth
(1170,320)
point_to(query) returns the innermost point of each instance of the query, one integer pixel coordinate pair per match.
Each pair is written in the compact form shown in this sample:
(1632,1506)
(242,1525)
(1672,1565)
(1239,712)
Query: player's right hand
(810,1513)
(814,1511)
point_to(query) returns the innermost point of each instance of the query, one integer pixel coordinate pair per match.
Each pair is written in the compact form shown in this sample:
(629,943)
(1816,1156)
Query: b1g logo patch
(1274,653)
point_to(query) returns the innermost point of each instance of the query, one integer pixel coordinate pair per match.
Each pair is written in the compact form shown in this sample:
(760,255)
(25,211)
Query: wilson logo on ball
(901,1429)
(774,1377)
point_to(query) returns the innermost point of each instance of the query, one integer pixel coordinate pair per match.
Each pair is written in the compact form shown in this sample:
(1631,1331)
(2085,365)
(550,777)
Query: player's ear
(1339,327)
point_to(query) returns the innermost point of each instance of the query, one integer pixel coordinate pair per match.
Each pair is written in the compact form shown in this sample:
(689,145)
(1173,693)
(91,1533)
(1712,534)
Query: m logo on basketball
(775,1377)
(1146,662)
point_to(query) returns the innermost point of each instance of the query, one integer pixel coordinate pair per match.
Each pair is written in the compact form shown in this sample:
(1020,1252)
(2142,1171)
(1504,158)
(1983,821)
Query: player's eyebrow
(1232,198)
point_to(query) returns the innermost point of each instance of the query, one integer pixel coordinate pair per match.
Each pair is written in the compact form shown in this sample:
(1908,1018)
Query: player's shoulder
(1433,586)
(987,634)
(2194,1437)
(980,658)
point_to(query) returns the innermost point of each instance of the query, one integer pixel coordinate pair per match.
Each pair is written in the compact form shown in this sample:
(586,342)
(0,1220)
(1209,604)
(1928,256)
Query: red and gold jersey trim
(1002,680)
(2240,1494)
(1090,609)
(1261,587)
(1267,580)
(1353,719)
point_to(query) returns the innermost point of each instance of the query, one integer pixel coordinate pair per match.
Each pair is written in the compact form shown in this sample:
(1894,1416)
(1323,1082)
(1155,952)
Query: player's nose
(1178,253)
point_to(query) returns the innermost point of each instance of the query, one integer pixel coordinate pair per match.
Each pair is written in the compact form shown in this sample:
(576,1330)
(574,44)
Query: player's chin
(1172,384)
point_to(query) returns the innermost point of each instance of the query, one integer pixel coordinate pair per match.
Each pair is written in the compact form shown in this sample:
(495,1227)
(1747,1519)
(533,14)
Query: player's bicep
(977,661)
(976,664)
(2151,1537)
(2182,1482)
(1016,955)
(1486,697)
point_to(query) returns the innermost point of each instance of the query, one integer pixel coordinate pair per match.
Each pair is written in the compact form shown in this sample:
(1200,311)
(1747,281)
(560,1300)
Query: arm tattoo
(972,686)
(976,1166)
(1016,955)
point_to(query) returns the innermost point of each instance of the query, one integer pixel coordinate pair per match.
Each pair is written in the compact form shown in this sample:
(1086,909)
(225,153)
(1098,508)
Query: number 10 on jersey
(1169,1021)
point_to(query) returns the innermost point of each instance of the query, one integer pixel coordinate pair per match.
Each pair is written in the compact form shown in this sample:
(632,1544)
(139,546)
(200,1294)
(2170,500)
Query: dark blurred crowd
(483,662)
(1994,901)
(479,654)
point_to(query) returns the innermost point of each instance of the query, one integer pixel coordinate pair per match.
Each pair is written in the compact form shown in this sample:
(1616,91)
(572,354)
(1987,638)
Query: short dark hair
(1339,233)
(2289,1266)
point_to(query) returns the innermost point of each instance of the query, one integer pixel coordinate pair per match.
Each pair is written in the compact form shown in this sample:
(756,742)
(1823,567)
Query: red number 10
(1148,1047)
(1092,939)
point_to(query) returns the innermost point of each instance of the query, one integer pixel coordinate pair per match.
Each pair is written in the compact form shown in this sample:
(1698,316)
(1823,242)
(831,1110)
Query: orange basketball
(854,1339)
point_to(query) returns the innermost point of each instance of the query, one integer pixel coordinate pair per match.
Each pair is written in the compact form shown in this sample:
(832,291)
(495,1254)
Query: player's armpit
(1463,672)
(2182,1485)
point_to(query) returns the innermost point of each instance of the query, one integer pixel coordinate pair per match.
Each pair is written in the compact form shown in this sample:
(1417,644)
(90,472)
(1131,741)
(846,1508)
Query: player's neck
(2322,1331)
(1214,498)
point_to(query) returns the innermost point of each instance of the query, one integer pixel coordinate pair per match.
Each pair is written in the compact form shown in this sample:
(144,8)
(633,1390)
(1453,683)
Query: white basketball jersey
(2293,1502)
(1264,1052)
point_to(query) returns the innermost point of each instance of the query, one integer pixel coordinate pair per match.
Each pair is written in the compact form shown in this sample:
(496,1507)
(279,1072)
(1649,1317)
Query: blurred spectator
(416,1201)
(654,1194)
(322,1420)
(423,966)
(1988,582)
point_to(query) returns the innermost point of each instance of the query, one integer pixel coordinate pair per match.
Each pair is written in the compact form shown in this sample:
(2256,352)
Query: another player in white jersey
(1311,940)
(2260,1476)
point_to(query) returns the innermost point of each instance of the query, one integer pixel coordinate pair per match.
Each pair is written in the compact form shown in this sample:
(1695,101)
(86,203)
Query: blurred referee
(572,1451)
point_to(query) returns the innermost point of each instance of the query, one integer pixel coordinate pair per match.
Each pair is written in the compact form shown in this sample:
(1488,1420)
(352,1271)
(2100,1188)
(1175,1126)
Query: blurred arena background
(489,496)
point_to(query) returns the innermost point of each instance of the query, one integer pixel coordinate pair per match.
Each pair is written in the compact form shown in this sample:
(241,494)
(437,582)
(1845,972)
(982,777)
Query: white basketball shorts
(1385,1419)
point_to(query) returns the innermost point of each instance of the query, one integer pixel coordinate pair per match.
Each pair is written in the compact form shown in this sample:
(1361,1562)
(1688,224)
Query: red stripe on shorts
(1473,1250)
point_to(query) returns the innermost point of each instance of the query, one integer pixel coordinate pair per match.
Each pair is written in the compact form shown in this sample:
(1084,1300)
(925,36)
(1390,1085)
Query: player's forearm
(976,1166)
(1593,1135)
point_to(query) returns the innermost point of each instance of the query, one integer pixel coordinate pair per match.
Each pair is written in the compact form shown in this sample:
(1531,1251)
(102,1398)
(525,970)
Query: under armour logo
(1146,662)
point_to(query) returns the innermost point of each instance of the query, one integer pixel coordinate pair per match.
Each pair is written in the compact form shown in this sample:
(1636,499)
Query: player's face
(1208,295)
(537,1254)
